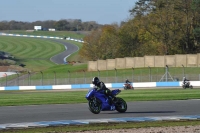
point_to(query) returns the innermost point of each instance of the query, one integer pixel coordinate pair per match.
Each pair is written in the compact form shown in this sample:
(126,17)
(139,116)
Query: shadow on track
(145,112)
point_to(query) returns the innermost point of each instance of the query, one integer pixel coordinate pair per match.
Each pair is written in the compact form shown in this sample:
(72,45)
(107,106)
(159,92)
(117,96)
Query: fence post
(183,70)
(29,78)
(6,79)
(17,78)
(166,71)
(54,77)
(42,76)
(107,76)
(149,73)
(115,75)
(98,73)
(68,76)
(132,73)
(84,75)
(199,77)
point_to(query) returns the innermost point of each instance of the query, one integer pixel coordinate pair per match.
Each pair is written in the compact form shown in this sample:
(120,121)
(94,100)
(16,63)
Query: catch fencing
(108,76)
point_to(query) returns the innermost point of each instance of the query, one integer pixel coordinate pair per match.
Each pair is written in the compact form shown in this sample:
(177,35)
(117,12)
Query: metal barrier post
(107,76)
(115,75)
(42,76)
(6,79)
(68,76)
(199,77)
(183,70)
(149,73)
(29,78)
(84,76)
(98,73)
(54,77)
(17,78)
(132,73)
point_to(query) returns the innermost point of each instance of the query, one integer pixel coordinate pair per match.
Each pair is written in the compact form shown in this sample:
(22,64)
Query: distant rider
(101,86)
(127,81)
(186,81)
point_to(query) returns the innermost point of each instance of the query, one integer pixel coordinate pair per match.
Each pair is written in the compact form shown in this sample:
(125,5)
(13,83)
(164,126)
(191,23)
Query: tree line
(61,25)
(156,27)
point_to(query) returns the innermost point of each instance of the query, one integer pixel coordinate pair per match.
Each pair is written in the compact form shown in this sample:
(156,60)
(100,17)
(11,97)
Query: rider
(101,86)
(127,81)
(186,81)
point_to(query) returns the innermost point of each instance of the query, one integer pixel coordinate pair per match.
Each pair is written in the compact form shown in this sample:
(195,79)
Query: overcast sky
(101,11)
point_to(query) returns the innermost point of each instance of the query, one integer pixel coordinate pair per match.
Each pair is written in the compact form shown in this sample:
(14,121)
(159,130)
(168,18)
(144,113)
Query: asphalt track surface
(37,113)
(70,49)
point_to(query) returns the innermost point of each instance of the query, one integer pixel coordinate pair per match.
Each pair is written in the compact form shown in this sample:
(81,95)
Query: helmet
(95,80)
(183,78)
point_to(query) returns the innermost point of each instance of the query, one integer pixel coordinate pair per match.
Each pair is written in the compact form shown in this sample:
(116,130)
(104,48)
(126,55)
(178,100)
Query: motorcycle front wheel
(120,105)
(94,106)
(184,86)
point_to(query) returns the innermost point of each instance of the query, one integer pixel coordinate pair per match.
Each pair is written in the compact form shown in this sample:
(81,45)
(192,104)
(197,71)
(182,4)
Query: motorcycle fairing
(103,98)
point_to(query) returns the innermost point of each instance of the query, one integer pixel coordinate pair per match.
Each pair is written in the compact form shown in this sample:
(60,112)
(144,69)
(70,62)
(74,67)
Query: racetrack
(36,113)
(70,49)
(59,58)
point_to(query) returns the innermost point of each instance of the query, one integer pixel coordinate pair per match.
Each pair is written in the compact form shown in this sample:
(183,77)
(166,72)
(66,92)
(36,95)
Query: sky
(101,11)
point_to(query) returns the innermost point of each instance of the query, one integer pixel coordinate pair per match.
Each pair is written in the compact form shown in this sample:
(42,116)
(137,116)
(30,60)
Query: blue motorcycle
(98,101)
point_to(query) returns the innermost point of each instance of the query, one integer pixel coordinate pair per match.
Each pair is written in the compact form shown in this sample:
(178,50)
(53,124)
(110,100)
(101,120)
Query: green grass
(25,48)
(65,68)
(34,53)
(15,98)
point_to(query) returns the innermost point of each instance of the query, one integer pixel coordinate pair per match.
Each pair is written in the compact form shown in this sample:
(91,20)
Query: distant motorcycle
(127,86)
(187,85)
(98,101)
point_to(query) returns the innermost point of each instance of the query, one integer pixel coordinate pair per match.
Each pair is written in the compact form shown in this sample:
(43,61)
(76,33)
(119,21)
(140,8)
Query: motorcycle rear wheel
(191,87)
(132,88)
(120,105)
(94,106)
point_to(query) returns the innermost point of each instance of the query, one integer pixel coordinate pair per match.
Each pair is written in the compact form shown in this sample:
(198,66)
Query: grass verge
(17,98)
(34,53)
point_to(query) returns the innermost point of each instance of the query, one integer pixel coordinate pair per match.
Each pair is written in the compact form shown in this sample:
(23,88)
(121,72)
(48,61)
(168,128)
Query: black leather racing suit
(101,86)
(186,81)
(127,81)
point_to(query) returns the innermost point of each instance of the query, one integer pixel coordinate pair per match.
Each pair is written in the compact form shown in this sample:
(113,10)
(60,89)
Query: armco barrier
(109,85)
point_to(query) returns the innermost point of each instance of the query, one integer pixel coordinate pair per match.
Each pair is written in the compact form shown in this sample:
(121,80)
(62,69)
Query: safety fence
(109,76)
